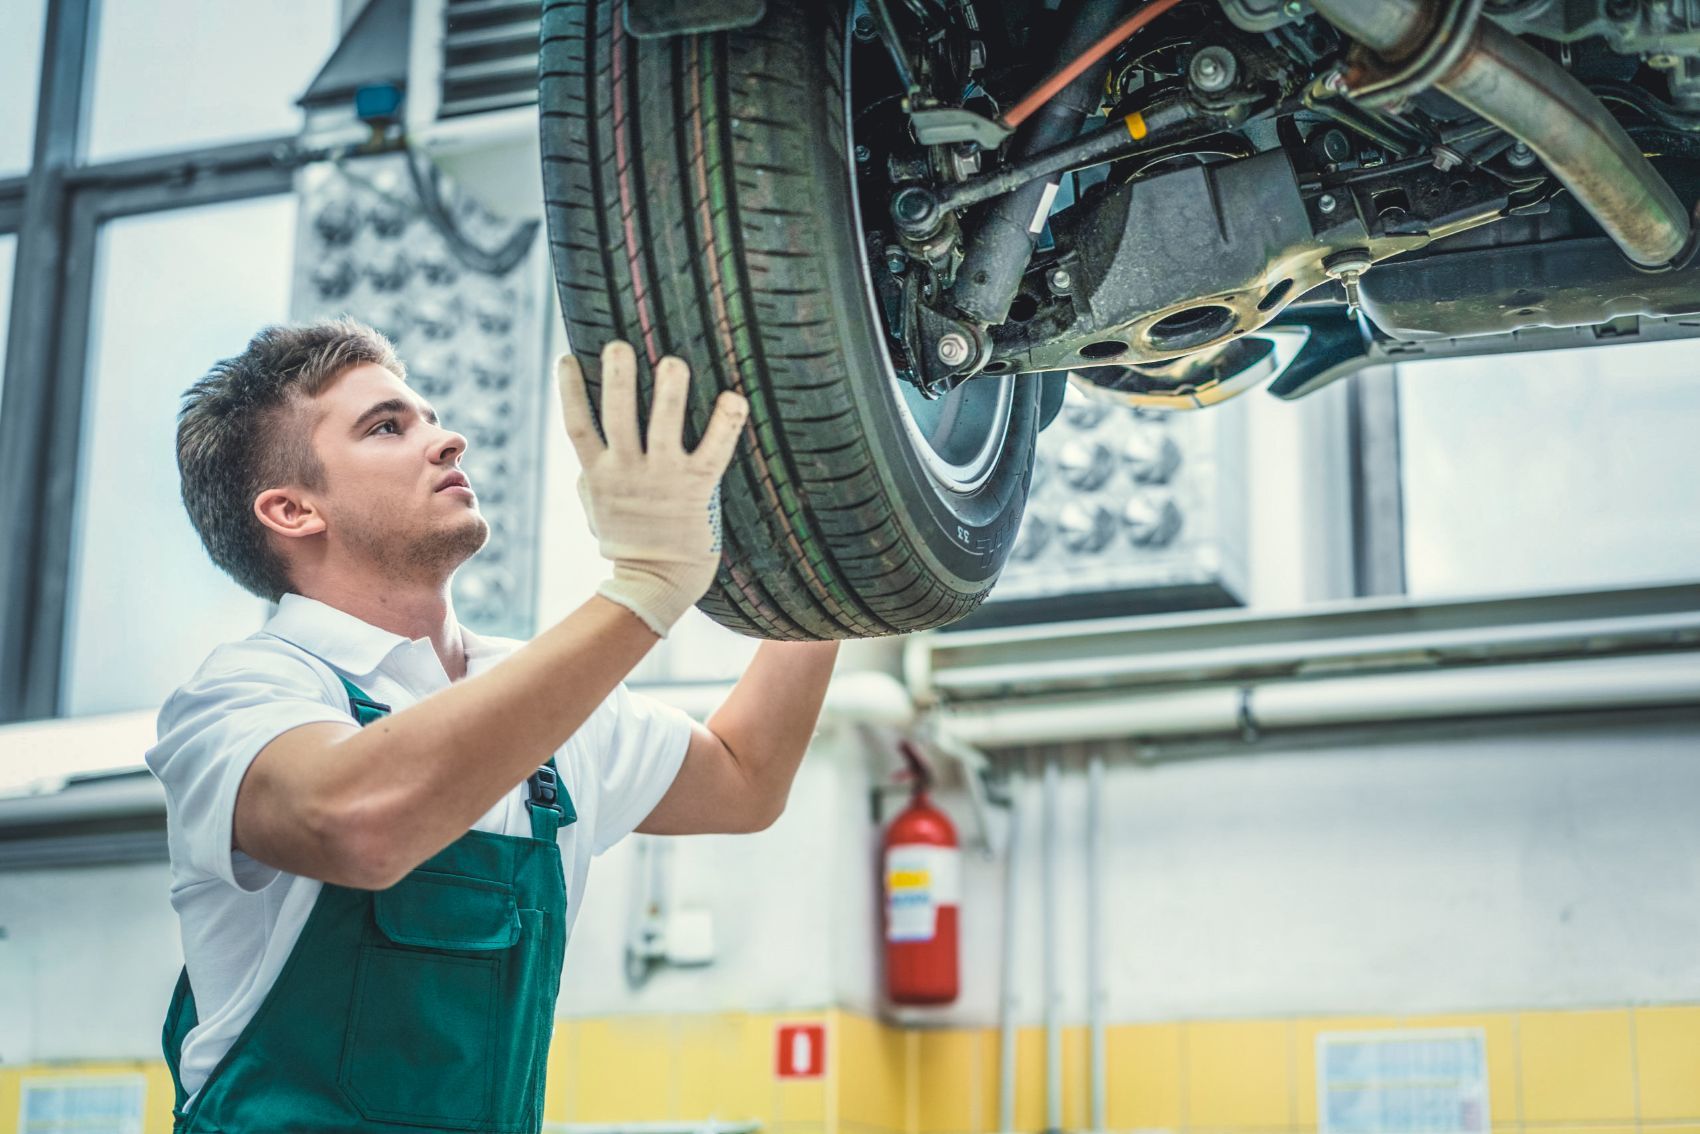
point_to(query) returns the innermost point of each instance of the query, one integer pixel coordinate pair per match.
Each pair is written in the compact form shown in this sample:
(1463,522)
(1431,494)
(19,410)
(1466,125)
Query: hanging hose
(497,262)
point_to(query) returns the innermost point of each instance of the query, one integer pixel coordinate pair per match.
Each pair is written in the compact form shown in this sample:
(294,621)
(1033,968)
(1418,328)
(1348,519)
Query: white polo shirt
(240,918)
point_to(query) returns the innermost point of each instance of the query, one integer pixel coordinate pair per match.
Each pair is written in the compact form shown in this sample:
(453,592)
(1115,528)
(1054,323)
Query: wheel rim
(959,436)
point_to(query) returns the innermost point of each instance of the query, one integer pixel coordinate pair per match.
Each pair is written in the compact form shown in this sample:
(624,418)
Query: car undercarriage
(1231,172)
(904,228)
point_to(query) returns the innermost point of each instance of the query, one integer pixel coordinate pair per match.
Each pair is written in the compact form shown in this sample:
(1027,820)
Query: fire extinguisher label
(918,880)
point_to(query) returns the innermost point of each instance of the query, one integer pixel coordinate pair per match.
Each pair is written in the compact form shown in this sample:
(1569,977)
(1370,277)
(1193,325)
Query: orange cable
(1047,90)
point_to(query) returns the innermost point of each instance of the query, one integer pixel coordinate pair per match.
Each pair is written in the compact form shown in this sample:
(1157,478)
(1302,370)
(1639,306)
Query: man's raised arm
(362,807)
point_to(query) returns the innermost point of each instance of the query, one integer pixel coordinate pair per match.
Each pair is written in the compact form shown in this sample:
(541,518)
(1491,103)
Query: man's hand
(653,508)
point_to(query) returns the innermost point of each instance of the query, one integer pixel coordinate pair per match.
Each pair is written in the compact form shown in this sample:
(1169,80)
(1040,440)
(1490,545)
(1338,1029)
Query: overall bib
(426,1006)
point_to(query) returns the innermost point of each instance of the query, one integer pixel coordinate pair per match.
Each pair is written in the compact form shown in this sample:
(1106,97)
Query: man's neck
(412,611)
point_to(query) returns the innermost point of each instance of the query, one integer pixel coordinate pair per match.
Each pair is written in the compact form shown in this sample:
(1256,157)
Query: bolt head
(863,153)
(953,349)
(1326,203)
(1213,69)
(1060,281)
(1292,7)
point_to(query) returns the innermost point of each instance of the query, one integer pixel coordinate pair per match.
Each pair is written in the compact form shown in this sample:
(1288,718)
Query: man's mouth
(455,479)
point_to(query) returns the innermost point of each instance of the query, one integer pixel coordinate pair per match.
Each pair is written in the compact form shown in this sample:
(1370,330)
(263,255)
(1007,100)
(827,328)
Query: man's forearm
(769,717)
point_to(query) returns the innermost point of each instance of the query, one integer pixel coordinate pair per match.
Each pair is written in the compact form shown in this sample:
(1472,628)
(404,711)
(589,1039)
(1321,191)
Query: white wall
(780,908)
(1479,868)
(88,961)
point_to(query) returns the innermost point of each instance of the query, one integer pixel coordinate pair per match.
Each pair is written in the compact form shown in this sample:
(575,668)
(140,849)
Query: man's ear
(288,513)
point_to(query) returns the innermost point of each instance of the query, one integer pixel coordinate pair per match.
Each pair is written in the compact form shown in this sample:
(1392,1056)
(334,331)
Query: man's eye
(389,421)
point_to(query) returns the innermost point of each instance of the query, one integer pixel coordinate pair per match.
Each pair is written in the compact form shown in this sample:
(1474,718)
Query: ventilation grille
(489,55)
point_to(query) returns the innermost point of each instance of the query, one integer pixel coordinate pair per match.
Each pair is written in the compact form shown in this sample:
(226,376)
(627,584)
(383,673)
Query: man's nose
(449,446)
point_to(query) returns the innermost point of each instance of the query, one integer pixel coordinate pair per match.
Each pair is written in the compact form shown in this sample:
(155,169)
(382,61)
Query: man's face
(392,491)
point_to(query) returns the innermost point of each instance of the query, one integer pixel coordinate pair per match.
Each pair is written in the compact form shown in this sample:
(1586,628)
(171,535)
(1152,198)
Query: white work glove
(655,511)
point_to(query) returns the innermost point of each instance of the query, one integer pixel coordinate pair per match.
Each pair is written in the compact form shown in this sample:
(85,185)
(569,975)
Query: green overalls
(428,1005)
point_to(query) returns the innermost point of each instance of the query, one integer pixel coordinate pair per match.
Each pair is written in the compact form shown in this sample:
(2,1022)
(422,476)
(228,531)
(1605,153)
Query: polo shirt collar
(346,642)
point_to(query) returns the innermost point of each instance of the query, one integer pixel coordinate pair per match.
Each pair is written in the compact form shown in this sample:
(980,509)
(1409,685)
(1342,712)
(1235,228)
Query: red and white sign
(801,1051)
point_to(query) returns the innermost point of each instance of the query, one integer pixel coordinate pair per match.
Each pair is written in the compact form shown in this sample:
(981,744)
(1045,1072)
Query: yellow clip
(1135,124)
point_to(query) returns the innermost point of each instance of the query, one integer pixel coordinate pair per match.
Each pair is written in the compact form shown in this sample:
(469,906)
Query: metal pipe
(1011,978)
(1530,97)
(1061,720)
(1646,681)
(1264,649)
(1053,995)
(134,795)
(1614,683)
(1094,928)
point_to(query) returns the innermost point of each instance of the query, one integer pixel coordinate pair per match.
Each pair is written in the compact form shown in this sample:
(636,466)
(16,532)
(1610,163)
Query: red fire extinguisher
(923,888)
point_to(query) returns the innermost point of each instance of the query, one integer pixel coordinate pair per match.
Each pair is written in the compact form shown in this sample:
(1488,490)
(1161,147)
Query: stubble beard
(423,556)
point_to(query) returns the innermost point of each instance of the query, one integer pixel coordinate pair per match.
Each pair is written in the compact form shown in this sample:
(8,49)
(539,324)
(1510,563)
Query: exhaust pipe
(1536,101)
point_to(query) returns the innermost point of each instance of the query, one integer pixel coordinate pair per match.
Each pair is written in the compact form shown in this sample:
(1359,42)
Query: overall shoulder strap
(365,709)
(180,1020)
(551,807)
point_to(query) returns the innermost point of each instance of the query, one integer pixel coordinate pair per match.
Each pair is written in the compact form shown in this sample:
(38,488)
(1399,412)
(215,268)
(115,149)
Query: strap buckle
(545,786)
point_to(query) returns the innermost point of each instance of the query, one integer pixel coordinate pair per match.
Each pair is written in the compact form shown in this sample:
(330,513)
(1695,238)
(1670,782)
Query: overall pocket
(421,1045)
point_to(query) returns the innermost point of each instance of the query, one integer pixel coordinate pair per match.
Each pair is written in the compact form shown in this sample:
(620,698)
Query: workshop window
(175,74)
(8,254)
(1562,470)
(21,26)
(175,291)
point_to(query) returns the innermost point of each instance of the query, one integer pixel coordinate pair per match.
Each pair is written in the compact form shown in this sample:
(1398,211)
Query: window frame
(1377,483)
(12,204)
(57,210)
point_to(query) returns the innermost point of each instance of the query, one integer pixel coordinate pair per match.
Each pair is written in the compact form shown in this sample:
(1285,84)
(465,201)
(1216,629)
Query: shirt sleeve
(210,729)
(633,758)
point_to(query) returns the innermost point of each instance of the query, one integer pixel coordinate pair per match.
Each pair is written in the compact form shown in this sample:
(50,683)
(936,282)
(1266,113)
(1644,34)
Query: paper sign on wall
(1402,1081)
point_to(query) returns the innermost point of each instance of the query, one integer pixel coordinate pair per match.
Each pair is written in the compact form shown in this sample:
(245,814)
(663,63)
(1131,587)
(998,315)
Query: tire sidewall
(965,536)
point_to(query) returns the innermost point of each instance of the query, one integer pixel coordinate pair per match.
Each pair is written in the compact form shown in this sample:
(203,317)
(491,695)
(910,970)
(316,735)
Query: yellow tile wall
(1608,1071)
(1142,1071)
(1667,1062)
(1577,1067)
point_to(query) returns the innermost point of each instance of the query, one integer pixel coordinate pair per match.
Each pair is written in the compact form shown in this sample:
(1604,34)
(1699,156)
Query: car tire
(701,203)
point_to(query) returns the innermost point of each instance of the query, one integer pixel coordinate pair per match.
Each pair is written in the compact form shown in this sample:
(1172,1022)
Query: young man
(380,823)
